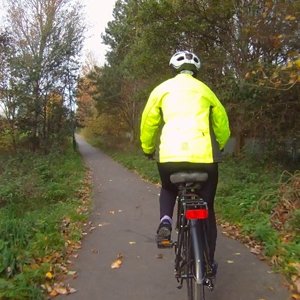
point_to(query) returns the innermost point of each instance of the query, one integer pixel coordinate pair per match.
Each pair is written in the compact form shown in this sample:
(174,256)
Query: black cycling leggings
(167,198)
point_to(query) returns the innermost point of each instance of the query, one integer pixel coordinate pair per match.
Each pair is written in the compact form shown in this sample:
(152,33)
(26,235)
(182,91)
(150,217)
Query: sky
(98,13)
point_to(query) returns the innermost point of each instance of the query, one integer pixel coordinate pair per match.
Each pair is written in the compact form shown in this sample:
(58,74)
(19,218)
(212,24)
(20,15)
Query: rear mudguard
(198,253)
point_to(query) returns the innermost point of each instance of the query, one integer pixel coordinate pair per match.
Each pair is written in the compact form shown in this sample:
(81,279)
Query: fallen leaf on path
(230,261)
(296,296)
(92,228)
(132,243)
(237,253)
(118,262)
(53,293)
(159,256)
(297,284)
(61,290)
(256,249)
(72,273)
(72,290)
(103,224)
(65,290)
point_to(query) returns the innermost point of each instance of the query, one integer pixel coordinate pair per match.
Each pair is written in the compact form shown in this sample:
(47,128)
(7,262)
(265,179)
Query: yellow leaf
(53,293)
(289,65)
(295,265)
(296,296)
(116,264)
(49,275)
(297,63)
(290,18)
(274,75)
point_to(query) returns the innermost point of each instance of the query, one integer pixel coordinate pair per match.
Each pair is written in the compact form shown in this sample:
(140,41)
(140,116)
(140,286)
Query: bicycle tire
(198,291)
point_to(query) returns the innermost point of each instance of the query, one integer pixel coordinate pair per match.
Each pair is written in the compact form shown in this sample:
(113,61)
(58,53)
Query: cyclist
(194,132)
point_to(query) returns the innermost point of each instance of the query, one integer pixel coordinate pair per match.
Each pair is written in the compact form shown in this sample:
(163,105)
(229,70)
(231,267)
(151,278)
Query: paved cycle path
(125,217)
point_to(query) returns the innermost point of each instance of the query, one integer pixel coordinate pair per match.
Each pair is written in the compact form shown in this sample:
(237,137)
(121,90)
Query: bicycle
(192,262)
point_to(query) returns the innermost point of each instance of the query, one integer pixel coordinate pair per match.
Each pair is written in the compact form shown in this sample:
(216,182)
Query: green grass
(37,193)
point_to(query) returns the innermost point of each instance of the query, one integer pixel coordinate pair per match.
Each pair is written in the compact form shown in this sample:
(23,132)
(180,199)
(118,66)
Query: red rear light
(192,214)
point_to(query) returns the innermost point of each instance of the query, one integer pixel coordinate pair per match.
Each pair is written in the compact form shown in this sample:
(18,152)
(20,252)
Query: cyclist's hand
(150,156)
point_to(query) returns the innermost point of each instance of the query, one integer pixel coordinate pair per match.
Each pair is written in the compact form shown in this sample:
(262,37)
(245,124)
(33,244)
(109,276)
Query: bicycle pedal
(165,244)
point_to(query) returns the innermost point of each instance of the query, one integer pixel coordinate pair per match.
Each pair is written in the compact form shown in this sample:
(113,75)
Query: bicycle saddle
(185,177)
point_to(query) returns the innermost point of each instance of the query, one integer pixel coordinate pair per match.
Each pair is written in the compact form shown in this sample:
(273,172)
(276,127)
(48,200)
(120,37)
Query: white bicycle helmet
(185,60)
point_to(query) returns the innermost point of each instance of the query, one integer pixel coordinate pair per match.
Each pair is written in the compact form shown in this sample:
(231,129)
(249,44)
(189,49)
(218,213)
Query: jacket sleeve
(151,120)
(220,122)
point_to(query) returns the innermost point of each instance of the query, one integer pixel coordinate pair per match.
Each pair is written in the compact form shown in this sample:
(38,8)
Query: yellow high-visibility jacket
(195,123)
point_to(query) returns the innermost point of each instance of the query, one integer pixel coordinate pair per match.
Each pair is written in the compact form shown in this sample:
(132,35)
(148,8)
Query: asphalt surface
(125,218)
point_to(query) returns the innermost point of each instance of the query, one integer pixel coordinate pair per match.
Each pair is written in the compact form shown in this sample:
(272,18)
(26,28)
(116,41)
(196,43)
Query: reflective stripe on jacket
(195,123)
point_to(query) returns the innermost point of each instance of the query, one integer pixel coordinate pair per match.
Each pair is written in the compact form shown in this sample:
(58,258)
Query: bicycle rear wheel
(195,290)
(198,290)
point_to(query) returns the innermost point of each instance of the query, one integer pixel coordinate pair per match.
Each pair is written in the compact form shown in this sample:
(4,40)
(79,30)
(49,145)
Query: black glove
(150,156)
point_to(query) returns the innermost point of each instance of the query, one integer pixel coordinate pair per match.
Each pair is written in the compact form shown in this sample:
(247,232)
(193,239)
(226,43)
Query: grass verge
(44,200)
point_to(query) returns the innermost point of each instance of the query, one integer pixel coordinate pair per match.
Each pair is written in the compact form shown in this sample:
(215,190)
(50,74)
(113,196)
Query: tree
(48,37)
(8,89)
(85,102)
(248,51)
